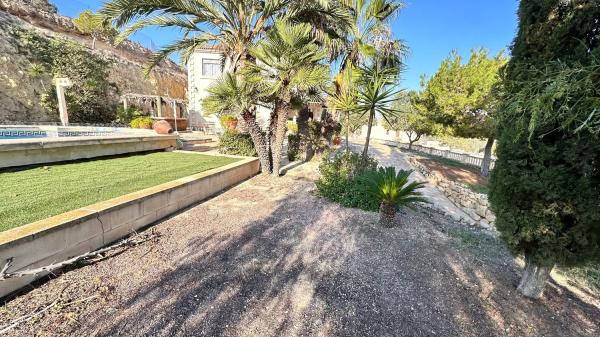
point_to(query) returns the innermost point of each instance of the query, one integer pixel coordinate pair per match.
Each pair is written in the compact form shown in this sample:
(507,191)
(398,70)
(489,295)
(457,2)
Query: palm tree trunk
(487,157)
(369,126)
(534,278)
(260,143)
(387,213)
(347,131)
(280,130)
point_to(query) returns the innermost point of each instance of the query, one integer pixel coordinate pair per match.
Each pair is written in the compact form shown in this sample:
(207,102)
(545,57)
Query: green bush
(225,119)
(292,127)
(237,144)
(125,116)
(293,147)
(340,180)
(141,123)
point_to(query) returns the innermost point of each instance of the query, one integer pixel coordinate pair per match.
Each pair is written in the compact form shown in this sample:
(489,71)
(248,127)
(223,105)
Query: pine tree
(545,188)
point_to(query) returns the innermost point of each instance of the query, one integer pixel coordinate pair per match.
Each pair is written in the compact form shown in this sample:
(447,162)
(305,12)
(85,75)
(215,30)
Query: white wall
(198,85)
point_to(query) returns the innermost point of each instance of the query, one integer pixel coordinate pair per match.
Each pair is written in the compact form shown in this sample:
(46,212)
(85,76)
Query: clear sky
(432,28)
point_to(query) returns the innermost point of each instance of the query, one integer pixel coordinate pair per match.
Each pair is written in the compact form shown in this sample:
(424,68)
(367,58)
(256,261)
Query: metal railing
(464,158)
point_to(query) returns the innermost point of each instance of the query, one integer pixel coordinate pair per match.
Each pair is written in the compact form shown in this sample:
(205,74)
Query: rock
(162,127)
(484,224)
(473,215)
(481,211)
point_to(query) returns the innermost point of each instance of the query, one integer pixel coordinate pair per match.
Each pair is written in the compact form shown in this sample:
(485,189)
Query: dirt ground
(454,173)
(269,258)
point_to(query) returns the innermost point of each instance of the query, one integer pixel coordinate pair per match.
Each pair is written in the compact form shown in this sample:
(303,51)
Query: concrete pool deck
(31,151)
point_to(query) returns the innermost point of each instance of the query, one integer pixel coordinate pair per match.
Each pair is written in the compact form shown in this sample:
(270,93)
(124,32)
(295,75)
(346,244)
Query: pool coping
(88,228)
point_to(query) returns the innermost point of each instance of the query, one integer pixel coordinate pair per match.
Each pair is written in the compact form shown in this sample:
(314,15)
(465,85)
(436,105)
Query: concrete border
(21,152)
(88,228)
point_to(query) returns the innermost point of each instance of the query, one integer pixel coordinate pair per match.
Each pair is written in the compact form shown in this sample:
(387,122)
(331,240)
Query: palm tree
(369,34)
(232,24)
(240,95)
(376,93)
(289,60)
(392,190)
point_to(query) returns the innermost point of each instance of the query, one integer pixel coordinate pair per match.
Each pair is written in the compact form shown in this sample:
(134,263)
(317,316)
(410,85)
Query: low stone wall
(473,204)
(86,229)
(40,151)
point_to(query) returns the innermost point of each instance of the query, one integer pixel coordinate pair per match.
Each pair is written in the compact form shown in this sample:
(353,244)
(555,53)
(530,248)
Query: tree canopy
(545,189)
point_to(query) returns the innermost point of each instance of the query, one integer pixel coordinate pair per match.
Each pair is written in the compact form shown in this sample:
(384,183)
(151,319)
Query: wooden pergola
(156,100)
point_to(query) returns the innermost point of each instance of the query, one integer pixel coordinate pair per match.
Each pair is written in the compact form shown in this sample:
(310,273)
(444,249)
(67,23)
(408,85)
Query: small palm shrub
(339,180)
(236,143)
(228,122)
(392,191)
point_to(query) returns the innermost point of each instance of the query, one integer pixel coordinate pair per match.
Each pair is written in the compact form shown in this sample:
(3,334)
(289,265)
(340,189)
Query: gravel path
(269,258)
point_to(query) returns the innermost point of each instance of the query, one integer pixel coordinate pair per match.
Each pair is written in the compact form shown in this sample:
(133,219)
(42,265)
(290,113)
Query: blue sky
(432,28)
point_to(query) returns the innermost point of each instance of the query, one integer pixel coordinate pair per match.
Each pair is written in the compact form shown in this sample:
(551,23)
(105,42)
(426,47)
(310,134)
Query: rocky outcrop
(474,204)
(20,91)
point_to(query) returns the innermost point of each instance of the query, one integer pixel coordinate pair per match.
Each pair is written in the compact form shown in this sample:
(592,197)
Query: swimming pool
(53,132)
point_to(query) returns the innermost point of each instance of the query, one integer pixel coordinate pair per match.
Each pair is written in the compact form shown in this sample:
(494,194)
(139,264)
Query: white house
(204,67)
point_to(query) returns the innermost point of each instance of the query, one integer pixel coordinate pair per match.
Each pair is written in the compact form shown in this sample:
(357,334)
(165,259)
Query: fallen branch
(129,242)
(27,317)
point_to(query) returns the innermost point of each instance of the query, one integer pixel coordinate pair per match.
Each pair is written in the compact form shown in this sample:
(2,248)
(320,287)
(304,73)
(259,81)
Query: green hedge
(236,143)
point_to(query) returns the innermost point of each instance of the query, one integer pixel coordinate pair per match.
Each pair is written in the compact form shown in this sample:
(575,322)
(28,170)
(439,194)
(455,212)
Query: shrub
(293,147)
(226,119)
(391,190)
(340,181)
(237,144)
(292,127)
(141,123)
(125,116)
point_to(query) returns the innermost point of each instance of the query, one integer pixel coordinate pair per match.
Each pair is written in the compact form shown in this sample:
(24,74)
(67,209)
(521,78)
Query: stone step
(204,147)
(196,140)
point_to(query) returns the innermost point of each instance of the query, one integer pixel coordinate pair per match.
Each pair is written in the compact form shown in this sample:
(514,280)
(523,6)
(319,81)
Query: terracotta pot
(162,127)
(232,125)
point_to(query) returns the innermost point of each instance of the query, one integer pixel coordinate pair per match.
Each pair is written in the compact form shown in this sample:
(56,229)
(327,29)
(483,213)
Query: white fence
(460,157)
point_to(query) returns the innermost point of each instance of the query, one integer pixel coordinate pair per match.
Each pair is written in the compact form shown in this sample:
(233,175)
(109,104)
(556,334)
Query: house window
(211,67)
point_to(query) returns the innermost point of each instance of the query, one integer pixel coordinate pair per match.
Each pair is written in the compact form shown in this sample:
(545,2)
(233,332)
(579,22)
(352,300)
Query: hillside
(24,89)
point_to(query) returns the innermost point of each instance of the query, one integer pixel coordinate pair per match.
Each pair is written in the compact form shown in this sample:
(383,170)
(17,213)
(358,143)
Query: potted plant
(392,190)
(229,122)
(337,140)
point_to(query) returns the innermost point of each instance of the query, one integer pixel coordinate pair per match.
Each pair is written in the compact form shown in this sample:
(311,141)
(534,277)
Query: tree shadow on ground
(313,268)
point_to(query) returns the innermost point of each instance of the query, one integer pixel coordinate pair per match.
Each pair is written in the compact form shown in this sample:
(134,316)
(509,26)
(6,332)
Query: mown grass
(32,194)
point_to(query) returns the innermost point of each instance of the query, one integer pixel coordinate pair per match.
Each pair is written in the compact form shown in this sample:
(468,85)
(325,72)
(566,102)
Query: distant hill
(21,90)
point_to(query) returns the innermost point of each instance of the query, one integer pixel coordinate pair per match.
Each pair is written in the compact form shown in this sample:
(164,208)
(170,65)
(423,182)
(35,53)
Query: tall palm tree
(240,95)
(376,93)
(370,33)
(289,60)
(232,24)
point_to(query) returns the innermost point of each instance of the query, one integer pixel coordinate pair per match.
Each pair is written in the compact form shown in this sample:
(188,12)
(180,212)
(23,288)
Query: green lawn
(36,193)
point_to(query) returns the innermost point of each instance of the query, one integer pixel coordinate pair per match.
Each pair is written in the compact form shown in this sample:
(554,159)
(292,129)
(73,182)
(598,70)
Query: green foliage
(239,24)
(408,119)
(87,100)
(293,147)
(125,116)
(236,143)
(292,127)
(387,186)
(460,98)
(339,180)
(226,119)
(93,24)
(546,184)
(141,123)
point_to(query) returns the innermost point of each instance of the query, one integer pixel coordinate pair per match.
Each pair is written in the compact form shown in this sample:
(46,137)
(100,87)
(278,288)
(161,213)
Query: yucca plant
(393,191)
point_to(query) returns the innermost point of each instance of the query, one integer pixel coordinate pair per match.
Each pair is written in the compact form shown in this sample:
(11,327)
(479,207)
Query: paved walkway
(270,258)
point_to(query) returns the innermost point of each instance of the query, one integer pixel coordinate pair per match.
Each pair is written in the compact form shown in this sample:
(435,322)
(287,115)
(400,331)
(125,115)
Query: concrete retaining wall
(86,229)
(39,151)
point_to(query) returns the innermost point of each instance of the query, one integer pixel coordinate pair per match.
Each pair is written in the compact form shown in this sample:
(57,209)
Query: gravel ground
(269,258)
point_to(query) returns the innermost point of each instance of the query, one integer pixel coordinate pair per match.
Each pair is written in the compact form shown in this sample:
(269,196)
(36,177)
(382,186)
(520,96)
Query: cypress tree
(545,188)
